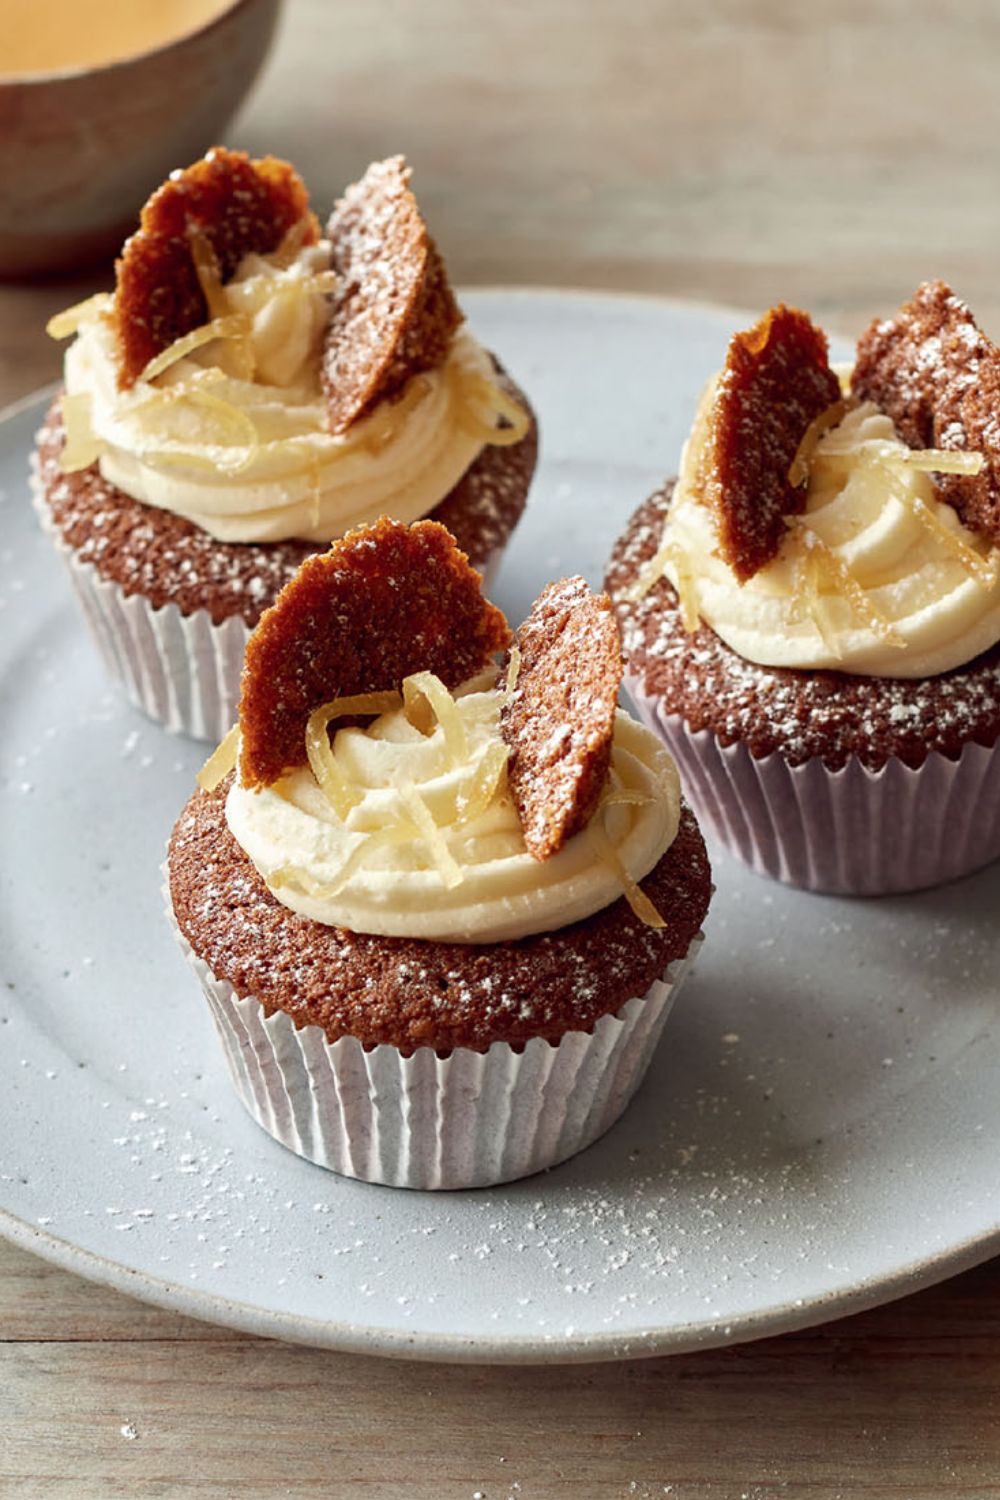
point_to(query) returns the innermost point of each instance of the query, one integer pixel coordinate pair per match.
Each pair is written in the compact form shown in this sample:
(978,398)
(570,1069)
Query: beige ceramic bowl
(80,151)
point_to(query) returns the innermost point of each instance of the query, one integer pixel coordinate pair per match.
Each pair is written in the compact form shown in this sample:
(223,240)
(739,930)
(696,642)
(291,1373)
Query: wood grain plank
(40,1303)
(823,1416)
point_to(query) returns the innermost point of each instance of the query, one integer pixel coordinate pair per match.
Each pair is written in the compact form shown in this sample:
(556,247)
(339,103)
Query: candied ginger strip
(341,794)
(245,442)
(220,762)
(687,588)
(292,241)
(383,426)
(845,584)
(636,897)
(425,687)
(481,401)
(477,795)
(799,469)
(651,572)
(234,326)
(983,570)
(807,601)
(62,324)
(623,796)
(81,446)
(942,461)
(513,672)
(294,877)
(206,268)
(420,815)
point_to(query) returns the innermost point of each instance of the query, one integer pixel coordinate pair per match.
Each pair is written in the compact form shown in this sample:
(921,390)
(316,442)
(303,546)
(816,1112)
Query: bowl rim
(68,75)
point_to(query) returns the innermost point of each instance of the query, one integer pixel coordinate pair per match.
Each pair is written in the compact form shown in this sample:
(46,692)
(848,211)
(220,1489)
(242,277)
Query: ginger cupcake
(811,611)
(252,390)
(440,910)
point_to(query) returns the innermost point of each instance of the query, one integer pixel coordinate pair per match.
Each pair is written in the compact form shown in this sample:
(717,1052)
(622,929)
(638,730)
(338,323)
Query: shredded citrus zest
(798,472)
(220,762)
(335,786)
(480,402)
(437,846)
(636,897)
(844,583)
(477,795)
(62,324)
(233,326)
(425,687)
(81,446)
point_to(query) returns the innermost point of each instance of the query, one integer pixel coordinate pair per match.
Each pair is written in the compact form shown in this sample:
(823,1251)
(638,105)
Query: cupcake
(811,611)
(250,392)
(439,909)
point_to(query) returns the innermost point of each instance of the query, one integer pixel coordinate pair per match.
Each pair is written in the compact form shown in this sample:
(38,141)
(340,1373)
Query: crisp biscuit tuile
(933,371)
(386,601)
(394,313)
(559,720)
(237,206)
(775,382)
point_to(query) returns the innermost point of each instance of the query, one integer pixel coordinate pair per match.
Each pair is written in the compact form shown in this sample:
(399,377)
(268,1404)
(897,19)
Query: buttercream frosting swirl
(926,593)
(377,871)
(248,459)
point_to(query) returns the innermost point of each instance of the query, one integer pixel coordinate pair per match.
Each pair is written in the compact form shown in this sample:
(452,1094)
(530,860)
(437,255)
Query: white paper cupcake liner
(467,1120)
(182,670)
(850,832)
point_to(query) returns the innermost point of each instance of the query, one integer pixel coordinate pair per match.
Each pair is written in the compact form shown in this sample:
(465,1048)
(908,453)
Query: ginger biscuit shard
(559,716)
(776,381)
(937,375)
(394,313)
(385,602)
(193,231)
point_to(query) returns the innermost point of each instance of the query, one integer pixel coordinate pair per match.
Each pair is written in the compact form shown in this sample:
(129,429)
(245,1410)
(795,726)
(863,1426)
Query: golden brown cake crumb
(775,382)
(237,206)
(394,313)
(559,720)
(937,375)
(410,993)
(387,600)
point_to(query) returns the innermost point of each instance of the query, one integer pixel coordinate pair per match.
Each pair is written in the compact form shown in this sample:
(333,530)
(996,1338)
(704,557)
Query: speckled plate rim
(357,1338)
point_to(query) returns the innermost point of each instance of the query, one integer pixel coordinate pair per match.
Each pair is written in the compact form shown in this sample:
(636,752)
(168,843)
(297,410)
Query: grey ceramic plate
(818,1131)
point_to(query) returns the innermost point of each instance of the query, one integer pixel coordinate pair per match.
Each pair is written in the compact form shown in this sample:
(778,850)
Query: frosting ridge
(881,580)
(432,847)
(233,435)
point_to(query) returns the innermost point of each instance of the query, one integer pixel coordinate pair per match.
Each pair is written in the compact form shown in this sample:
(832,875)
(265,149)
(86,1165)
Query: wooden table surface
(744,152)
